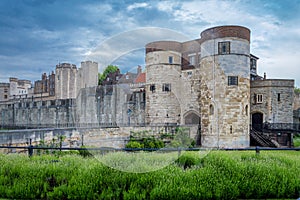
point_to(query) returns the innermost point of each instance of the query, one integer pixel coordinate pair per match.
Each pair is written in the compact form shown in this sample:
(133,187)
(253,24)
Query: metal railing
(30,149)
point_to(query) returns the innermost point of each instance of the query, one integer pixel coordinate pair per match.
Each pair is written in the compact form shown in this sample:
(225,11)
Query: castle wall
(86,110)
(4,91)
(274,110)
(91,137)
(27,114)
(120,105)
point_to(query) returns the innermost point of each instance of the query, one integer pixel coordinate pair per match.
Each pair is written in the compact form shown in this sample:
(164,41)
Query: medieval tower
(205,82)
(225,86)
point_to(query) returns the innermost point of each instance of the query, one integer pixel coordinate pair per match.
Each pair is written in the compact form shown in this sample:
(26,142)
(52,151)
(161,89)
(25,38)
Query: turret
(225,86)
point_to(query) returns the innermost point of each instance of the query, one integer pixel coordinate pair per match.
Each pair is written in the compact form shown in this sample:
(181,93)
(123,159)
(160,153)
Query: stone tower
(88,74)
(225,86)
(163,69)
(65,81)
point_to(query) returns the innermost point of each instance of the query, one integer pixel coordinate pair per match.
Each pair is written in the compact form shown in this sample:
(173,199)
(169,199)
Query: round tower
(163,69)
(225,86)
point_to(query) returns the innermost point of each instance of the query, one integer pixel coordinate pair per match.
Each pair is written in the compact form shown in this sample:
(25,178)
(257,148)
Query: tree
(297,90)
(107,70)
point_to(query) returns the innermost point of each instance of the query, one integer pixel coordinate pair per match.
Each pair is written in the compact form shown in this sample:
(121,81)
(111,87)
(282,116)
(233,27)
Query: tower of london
(210,83)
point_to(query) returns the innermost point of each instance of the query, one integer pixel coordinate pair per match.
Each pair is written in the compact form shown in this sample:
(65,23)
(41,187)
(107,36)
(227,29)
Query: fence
(257,149)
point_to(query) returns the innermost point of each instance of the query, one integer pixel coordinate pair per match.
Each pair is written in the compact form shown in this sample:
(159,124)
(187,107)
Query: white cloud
(137,5)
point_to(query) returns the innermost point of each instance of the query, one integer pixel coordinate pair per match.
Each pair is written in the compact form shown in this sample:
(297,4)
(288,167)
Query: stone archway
(257,120)
(192,118)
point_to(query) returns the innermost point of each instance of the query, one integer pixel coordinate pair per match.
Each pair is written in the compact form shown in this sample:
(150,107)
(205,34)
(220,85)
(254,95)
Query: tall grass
(219,175)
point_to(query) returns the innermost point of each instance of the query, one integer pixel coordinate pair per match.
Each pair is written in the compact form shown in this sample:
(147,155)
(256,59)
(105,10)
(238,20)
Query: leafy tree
(297,90)
(107,70)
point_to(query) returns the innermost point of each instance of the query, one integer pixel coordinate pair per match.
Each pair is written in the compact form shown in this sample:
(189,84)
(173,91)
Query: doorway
(257,121)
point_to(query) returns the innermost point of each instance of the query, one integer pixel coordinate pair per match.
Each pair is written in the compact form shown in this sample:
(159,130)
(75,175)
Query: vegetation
(107,70)
(296,140)
(219,175)
(147,139)
(297,90)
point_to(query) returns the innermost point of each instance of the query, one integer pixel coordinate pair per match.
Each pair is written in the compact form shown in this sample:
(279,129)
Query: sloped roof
(127,78)
(141,78)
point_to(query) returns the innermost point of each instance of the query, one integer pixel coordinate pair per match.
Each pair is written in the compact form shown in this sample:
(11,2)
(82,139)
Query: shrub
(134,145)
(186,161)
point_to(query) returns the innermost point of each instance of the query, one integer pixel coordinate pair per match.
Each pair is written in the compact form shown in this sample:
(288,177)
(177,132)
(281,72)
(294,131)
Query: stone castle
(210,82)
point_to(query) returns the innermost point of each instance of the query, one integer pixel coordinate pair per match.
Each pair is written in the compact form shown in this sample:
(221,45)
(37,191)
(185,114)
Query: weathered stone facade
(210,83)
(276,104)
(69,80)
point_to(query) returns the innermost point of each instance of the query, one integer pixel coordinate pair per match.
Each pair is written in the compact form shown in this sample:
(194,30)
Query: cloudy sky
(35,35)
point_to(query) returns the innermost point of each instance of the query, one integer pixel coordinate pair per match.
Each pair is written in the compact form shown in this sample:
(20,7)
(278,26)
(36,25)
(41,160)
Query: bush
(149,142)
(186,161)
(134,145)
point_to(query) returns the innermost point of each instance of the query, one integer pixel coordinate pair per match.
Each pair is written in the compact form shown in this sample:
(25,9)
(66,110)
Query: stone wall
(277,99)
(91,137)
(25,113)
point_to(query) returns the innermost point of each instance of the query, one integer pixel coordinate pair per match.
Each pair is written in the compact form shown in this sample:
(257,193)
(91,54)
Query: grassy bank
(219,175)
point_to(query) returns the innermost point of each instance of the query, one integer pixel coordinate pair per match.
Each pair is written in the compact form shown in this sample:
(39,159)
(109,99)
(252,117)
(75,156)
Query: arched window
(246,109)
(211,109)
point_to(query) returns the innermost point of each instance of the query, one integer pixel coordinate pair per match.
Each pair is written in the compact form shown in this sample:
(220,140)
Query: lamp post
(57,108)
(98,109)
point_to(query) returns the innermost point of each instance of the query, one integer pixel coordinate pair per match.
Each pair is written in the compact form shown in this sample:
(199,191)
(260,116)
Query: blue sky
(35,35)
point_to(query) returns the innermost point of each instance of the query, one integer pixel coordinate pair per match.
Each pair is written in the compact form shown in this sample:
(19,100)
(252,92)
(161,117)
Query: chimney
(265,76)
(139,69)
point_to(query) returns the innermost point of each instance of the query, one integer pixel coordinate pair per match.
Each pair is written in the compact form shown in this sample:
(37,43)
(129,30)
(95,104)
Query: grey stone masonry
(277,96)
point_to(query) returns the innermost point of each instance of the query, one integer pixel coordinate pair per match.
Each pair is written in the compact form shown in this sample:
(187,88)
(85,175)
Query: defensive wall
(115,137)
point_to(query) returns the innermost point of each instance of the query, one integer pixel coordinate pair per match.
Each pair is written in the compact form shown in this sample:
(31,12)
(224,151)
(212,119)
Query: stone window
(252,64)
(246,109)
(232,80)
(259,98)
(57,77)
(211,109)
(224,47)
(170,59)
(5,90)
(166,87)
(152,88)
(189,74)
(5,96)
(52,102)
(192,60)
(278,97)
